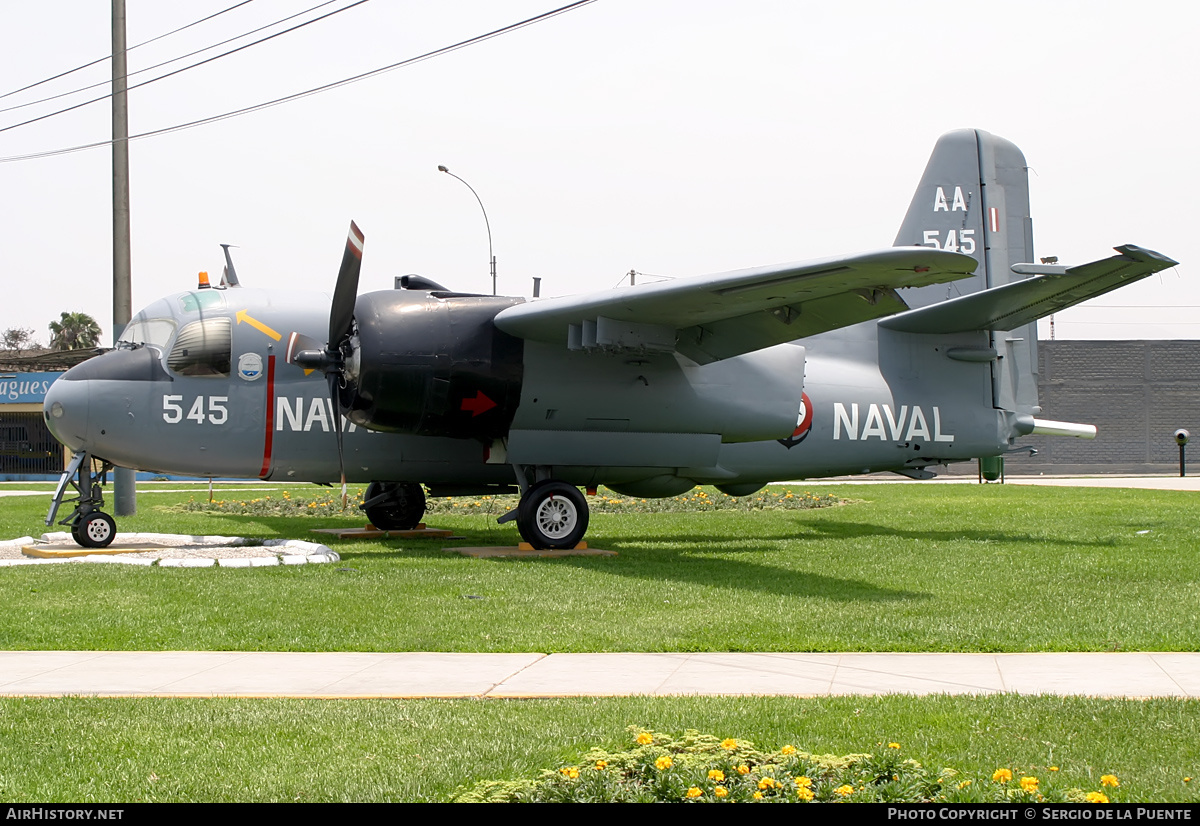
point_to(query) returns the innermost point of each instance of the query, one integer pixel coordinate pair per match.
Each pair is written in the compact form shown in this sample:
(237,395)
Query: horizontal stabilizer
(1049,290)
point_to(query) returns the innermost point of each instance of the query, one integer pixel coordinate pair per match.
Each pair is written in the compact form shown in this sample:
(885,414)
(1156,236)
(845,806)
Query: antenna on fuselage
(230,276)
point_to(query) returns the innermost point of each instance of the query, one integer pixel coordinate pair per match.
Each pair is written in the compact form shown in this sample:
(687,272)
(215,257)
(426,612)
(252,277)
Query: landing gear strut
(394,506)
(90,527)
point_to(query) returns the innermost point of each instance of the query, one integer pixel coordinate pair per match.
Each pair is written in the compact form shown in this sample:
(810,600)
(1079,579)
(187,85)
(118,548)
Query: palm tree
(74,331)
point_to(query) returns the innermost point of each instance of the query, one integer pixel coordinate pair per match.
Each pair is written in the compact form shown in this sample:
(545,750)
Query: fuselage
(200,387)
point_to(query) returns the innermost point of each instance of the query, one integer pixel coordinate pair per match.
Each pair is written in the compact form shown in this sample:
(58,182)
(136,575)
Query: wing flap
(1050,290)
(713,317)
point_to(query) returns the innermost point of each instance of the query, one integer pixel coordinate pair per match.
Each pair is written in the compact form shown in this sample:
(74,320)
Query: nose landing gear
(90,527)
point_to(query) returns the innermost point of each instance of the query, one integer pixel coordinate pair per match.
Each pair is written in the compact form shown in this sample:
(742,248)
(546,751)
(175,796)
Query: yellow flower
(694,792)
(716,774)
(758,795)
(744,769)
(768,783)
(1001,776)
(844,791)
(804,782)
(964,784)
(601,765)
(788,750)
(1109,780)
(1097,797)
(893,745)
(1052,768)
(804,794)
(645,738)
(1029,784)
(720,791)
(570,772)
(729,744)
(663,763)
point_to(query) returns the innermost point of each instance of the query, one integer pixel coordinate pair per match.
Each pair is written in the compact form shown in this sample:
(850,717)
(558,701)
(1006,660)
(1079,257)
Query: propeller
(331,359)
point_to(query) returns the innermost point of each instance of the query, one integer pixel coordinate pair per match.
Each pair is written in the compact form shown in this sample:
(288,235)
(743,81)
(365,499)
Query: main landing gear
(90,527)
(394,506)
(552,515)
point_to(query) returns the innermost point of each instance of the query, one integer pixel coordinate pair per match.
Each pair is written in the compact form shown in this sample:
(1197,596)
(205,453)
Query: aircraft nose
(66,412)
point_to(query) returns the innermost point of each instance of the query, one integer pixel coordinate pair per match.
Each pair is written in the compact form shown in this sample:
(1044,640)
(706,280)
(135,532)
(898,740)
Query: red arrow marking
(477,405)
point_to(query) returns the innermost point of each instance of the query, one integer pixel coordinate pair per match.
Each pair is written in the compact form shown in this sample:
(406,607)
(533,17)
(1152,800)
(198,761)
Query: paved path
(411,675)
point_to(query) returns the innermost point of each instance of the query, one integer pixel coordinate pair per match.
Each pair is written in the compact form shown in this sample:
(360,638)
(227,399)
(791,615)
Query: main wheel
(552,515)
(401,510)
(95,530)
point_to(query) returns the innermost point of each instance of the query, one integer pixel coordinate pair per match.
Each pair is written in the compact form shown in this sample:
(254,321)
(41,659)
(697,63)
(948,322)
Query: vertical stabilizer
(974,198)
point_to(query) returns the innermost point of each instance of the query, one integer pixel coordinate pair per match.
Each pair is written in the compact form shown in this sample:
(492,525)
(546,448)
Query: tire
(401,511)
(95,530)
(552,515)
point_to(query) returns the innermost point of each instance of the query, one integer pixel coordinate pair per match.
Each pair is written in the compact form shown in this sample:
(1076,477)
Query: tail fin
(974,199)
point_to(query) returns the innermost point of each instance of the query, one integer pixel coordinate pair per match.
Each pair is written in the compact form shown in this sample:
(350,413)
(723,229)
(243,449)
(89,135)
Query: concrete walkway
(413,675)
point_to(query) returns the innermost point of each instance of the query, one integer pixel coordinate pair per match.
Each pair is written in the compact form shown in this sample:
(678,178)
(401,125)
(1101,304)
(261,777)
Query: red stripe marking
(270,417)
(994,216)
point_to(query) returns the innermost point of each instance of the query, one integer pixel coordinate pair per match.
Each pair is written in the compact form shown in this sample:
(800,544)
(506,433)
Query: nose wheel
(552,515)
(95,530)
(90,527)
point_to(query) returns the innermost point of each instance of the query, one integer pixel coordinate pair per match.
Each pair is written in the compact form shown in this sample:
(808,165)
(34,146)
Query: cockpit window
(203,348)
(156,331)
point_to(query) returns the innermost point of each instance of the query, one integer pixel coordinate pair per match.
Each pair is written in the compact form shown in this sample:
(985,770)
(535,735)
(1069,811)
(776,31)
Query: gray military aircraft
(899,360)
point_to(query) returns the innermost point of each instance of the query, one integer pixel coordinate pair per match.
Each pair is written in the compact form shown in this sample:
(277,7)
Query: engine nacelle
(433,364)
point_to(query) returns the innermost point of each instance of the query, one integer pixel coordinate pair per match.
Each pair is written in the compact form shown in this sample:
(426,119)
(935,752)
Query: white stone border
(286,551)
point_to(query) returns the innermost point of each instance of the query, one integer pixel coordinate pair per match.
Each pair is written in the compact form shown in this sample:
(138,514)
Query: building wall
(1137,393)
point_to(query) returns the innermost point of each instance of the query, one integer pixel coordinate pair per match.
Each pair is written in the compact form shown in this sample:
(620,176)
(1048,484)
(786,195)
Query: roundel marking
(804,420)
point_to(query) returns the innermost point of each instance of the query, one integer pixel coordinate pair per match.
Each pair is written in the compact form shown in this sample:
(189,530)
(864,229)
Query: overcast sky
(671,137)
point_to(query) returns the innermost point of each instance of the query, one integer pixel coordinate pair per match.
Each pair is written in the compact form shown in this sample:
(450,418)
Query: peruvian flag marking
(993,219)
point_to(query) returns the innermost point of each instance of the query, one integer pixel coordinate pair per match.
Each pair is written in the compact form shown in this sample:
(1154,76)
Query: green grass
(76,749)
(901,568)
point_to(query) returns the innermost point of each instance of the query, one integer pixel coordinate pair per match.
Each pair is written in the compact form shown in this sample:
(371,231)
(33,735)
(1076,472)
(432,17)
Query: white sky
(673,137)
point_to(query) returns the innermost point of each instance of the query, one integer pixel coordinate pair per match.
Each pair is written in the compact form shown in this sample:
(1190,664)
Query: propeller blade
(337,429)
(341,313)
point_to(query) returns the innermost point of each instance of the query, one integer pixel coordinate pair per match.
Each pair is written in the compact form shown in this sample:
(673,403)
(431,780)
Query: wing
(715,317)
(1051,289)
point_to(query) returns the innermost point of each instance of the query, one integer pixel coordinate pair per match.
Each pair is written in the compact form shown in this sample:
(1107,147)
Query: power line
(166,62)
(131,48)
(316,90)
(185,68)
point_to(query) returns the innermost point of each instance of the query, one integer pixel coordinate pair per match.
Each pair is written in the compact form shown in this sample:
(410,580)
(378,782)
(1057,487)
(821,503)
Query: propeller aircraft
(901,359)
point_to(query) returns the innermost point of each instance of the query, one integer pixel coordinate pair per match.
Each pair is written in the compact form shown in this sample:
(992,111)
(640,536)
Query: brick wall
(1137,393)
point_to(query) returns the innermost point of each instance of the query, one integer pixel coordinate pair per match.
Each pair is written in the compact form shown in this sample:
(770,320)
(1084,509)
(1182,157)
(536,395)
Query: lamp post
(486,223)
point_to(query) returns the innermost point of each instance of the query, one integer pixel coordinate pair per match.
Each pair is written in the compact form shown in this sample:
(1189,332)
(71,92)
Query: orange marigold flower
(694,792)
(844,791)
(645,738)
(663,763)
(804,782)
(1002,776)
(1029,784)
(729,744)
(1096,797)
(720,791)
(716,774)
(601,765)
(893,745)
(744,769)
(768,783)
(1109,780)
(758,795)
(805,794)
(788,750)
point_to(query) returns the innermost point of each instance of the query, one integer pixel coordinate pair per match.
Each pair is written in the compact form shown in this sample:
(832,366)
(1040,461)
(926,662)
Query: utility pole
(124,484)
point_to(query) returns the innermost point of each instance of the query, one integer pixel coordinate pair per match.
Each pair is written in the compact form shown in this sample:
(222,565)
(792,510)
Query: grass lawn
(325,750)
(899,568)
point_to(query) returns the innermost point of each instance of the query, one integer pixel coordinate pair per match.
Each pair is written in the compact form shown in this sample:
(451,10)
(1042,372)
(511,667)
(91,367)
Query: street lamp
(486,223)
